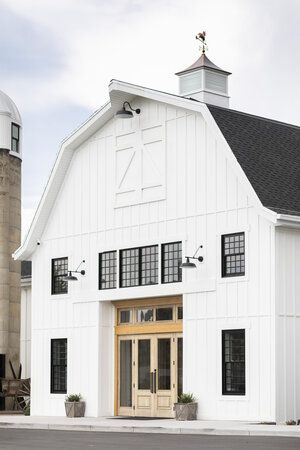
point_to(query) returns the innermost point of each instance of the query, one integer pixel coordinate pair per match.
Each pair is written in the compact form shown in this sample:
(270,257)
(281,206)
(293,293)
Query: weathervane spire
(201,37)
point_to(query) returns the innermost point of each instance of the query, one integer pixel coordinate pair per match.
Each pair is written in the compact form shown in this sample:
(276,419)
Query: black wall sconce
(190,265)
(125,113)
(71,277)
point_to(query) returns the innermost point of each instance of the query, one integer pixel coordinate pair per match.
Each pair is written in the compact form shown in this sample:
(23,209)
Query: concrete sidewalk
(170,426)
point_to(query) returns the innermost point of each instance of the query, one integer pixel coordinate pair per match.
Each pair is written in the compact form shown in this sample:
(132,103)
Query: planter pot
(185,411)
(75,409)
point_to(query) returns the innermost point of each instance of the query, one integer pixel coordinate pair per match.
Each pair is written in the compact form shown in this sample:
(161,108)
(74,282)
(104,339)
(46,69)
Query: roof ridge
(267,119)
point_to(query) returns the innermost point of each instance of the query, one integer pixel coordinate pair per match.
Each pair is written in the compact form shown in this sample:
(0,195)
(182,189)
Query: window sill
(234,279)
(235,397)
(57,396)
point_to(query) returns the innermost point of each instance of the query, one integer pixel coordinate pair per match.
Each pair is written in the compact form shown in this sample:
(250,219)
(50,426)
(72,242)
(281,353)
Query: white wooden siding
(287,324)
(201,197)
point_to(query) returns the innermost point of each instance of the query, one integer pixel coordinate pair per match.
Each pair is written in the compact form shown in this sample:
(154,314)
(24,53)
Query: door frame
(162,327)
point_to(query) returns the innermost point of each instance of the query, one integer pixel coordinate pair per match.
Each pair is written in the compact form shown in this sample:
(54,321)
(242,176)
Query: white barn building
(132,198)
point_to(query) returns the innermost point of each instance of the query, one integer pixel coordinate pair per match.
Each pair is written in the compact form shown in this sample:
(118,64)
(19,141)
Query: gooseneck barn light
(190,265)
(71,277)
(125,113)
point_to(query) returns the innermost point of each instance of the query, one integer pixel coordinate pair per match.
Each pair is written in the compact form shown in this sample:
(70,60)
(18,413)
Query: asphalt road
(11,439)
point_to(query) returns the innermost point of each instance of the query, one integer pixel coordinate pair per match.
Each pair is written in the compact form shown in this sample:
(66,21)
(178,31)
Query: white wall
(288,324)
(159,177)
(25,331)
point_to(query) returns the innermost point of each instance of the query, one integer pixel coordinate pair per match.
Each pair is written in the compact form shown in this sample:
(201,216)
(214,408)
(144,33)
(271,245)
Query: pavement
(166,426)
(11,439)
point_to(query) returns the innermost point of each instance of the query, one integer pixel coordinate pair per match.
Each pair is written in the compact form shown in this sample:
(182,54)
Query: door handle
(154,381)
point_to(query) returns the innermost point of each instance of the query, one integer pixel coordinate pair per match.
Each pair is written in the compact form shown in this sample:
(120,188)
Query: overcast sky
(58,56)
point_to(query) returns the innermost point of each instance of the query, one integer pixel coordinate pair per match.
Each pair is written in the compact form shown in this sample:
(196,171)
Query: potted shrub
(186,408)
(74,405)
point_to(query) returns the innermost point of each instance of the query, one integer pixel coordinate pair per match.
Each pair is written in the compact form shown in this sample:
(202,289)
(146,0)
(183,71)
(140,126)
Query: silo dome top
(7,106)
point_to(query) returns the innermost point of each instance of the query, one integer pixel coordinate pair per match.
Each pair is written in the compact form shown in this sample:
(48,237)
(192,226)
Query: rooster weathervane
(201,37)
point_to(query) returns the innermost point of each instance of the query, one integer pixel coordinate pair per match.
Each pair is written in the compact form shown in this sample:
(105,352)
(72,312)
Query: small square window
(125,316)
(144,315)
(164,313)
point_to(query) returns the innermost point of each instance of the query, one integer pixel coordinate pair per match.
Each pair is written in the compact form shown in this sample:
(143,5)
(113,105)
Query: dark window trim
(162,263)
(100,270)
(52,275)
(139,265)
(224,392)
(230,275)
(52,390)
(13,124)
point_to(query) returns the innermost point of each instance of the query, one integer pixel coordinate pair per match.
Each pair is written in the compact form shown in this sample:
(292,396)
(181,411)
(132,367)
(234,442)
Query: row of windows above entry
(140,266)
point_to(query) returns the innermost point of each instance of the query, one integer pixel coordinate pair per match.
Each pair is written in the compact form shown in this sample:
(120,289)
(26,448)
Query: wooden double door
(149,374)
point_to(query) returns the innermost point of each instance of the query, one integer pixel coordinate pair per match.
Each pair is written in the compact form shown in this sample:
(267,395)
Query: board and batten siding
(287,324)
(163,176)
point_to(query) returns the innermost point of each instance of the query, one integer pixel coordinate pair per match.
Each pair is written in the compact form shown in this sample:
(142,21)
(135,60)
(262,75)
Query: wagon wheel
(23,396)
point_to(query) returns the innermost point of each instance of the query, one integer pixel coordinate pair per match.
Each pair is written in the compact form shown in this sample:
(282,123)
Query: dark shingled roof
(268,152)
(25,269)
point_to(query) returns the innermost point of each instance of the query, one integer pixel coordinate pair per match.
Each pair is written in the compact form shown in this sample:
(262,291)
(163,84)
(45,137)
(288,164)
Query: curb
(150,430)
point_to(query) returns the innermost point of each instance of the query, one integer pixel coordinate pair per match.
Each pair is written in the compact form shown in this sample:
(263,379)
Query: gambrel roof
(268,152)
(271,178)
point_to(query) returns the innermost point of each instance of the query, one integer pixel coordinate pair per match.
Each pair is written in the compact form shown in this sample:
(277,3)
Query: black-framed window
(233,362)
(233,255)
(129,267)
(15,138)
(170,264)
(139,266)
(59,271)
(149,265)
(58,366)
(108,270)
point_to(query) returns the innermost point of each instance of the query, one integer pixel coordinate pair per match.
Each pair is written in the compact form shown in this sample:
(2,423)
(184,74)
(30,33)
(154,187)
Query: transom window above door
(150,314)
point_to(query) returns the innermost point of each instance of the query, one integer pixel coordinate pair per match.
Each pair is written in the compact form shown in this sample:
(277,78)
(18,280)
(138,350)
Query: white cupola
(204,81)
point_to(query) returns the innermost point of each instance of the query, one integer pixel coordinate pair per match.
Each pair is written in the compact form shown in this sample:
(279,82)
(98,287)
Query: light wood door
(150,372)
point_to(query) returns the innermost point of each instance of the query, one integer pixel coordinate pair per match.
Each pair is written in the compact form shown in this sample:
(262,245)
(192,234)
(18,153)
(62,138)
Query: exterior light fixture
(71,277)
(125,113)
(190,265)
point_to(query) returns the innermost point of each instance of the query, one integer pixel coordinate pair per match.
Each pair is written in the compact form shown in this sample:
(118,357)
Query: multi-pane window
(139,266)
(149,264)
(233,255)
(171,260)
(108,270)
(58,366)
(233,361)
(59,271)
(129,267)
(15,138)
